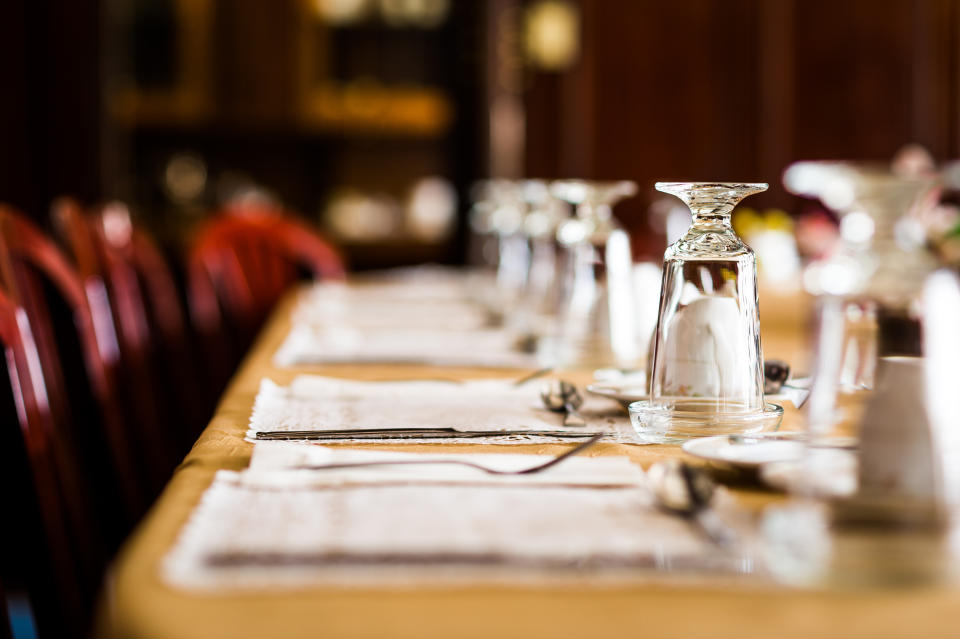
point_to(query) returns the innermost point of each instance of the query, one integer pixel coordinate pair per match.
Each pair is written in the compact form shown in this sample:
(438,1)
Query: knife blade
(411,433)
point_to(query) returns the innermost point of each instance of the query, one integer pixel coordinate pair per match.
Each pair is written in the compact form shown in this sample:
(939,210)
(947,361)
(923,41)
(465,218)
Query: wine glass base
(674,422)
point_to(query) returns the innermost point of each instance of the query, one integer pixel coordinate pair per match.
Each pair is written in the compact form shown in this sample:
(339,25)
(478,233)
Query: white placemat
(419,318)
(309,344)
(269,527)
(316,403)
(380,306)
(270,457)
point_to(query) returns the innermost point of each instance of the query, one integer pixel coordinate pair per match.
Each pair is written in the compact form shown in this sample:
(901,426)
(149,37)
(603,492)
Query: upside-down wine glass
(513,253)
(537,306)
(596,325)
(707,372)
(483,246)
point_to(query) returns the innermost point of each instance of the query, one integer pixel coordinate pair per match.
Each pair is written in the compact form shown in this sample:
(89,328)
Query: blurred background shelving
(299,101)
(328,104)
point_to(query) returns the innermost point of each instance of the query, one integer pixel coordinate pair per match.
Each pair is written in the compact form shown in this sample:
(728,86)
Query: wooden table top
(137,604)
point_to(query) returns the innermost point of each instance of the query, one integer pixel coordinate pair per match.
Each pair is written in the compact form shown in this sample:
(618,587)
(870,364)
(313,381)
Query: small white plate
(626,394)
(721,451)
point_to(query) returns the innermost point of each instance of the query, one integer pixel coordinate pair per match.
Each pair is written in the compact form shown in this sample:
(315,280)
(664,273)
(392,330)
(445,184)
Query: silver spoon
(775,375)
(561,396)
(579,448)
(687,491)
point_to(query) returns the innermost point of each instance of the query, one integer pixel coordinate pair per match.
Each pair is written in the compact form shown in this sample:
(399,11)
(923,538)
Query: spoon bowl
(560,396)
(687,491)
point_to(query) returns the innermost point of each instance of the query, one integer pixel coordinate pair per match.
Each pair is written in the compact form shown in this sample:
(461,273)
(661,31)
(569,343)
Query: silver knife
(414,433)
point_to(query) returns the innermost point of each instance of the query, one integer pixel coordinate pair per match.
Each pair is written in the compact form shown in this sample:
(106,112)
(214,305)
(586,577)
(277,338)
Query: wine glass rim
(718,185)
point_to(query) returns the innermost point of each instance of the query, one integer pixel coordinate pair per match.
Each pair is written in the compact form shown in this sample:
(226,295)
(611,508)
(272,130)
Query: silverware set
(561,396)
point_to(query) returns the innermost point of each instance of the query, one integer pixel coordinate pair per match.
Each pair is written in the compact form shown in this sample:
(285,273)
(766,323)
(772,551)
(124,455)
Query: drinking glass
(596,326)
(483,250)
(482,245)
(513,253)
(867,290)
(539,299)
(707,371)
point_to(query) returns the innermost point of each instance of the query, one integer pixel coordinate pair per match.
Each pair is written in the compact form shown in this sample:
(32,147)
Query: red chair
(159,372)
(240,264)
(35,274)
(62,571)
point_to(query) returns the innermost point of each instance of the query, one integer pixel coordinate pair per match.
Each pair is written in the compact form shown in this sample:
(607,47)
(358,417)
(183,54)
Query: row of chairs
(111,380)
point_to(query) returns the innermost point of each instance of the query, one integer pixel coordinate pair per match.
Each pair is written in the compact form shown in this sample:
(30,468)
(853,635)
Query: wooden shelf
(375,109)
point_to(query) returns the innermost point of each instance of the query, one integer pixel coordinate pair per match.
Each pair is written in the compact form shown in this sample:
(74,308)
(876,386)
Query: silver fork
(458,462)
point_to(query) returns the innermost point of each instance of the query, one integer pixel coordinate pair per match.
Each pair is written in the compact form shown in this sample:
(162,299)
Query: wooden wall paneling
(506,126)
(256,55)
(675,95)
(934,29)
(50,117)
(16,185)
(776,119)
(854,75)
(544,129)
(738,89)
(578,94)
(955,78)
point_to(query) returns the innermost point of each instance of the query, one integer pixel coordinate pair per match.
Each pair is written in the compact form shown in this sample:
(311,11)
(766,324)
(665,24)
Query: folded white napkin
(386,306)
(277,463)
(318,403)
(268,526)
(345,343)
(396,320)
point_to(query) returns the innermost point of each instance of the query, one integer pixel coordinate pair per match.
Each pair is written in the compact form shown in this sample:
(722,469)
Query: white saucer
(722,452)
(626,395)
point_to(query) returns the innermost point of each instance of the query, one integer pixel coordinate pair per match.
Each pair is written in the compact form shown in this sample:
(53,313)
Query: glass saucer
(672,421)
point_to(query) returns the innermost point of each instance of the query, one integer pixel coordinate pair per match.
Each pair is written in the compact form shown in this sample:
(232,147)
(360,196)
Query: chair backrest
(29,262)
(159,382)
(147,292)
(245,258)
(240,264)
(63,569)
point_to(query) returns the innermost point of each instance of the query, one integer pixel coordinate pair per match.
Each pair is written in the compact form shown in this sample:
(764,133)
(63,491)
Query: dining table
(137,603)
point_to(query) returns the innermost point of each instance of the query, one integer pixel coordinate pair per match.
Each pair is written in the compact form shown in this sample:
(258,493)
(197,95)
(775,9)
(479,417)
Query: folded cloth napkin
(425,281)
(318,403)
(386,306)
(271,457)
(345,343)
(268,526)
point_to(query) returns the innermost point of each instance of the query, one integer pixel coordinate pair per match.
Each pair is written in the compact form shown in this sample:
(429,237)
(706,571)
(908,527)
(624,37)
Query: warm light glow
(341,11)
(552,35)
